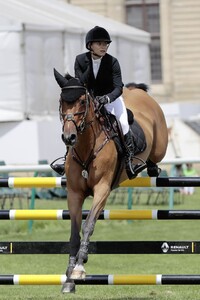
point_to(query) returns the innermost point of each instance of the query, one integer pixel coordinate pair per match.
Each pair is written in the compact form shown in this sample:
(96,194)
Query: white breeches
(118,109)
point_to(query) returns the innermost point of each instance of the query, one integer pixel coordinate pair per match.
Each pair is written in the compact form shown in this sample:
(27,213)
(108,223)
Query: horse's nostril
(73,138)
(69,140)
(63,138)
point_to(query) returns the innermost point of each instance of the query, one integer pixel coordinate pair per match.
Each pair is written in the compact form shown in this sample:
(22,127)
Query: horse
(92,162)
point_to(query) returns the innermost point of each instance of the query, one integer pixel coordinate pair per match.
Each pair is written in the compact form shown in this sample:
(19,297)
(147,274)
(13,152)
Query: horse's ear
(62,81)
(68,76)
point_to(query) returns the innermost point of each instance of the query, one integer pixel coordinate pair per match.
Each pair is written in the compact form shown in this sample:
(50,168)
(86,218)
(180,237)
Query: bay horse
(92,161)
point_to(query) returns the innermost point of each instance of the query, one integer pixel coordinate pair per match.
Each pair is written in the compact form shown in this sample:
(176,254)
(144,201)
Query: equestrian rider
(101,74)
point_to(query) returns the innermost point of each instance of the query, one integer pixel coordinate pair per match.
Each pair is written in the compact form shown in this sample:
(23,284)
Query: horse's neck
(92,137)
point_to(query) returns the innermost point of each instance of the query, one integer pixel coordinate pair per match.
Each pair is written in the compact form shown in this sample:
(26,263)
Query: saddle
(115,132)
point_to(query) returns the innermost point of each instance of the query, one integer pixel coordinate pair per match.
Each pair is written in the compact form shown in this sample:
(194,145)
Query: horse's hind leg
(152,169)
(69,285)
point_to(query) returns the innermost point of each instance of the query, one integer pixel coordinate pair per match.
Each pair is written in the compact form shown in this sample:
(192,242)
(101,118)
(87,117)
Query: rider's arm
(117,81)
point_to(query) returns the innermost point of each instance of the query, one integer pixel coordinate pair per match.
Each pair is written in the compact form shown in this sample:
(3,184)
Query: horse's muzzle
(69,140)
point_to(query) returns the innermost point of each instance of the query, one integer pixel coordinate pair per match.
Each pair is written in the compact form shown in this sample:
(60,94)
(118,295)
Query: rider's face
(99,48)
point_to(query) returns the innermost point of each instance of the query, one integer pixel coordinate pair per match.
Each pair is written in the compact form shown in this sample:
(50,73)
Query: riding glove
(103,99)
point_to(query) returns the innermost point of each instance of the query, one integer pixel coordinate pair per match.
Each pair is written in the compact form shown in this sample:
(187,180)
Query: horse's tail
(133,85)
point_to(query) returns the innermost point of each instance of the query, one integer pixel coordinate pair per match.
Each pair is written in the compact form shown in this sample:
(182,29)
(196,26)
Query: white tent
(35,37)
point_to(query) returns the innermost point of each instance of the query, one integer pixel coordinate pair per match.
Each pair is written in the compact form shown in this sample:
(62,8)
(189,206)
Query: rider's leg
(152,169)
(132,170)
(118,109)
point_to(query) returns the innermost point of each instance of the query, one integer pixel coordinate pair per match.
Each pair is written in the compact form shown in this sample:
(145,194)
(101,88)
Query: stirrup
(58,168)
(133,170)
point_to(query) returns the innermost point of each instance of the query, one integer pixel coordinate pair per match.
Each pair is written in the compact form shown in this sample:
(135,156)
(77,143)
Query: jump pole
(157,279)
(126,214)
(102,247)
(50,182)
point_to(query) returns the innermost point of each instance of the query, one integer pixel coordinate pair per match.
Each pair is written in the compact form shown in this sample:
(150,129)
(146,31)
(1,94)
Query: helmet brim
(97,40)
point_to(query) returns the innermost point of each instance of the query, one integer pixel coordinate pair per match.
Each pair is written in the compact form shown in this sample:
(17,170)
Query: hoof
(78,272)
(68,287)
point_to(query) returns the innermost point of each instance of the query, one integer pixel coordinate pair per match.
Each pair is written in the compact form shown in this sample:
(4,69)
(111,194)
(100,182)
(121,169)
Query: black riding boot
(59,167)
(131,169)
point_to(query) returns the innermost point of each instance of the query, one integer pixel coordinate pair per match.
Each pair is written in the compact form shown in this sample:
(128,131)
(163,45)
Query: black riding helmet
(97,34)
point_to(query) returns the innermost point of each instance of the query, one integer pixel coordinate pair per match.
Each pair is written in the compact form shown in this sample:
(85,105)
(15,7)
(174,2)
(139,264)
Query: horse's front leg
(98,205)
(75,208)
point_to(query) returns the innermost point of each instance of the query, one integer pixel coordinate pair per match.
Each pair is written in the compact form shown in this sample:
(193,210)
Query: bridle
(70,116)
(80,129)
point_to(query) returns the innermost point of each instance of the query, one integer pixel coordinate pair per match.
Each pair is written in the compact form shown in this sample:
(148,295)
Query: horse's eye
(82,102)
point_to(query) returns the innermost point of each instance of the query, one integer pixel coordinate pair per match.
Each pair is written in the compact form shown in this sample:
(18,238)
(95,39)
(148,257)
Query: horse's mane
(142,86)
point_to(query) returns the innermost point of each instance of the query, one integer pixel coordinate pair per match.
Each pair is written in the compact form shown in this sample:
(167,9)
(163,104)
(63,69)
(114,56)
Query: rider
(101,74)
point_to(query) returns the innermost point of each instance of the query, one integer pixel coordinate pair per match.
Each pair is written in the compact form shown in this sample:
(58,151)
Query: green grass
(104,264)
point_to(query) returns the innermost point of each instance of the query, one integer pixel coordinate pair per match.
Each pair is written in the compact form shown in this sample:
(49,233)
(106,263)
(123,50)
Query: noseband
(70,117)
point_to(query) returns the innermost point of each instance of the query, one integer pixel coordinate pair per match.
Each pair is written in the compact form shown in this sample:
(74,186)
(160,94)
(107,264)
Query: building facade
(174,26)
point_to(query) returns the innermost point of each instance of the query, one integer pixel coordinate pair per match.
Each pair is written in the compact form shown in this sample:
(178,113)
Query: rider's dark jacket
(108,81)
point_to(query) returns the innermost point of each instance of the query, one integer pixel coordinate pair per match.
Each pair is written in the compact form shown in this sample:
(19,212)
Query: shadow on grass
(86,298)
(129,298)
(121,298)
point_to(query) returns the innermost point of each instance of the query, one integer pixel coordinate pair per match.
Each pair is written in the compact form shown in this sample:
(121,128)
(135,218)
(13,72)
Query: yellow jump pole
(37,182)
(124,279)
